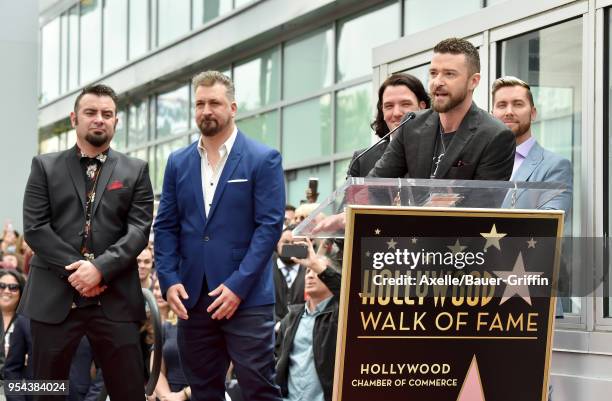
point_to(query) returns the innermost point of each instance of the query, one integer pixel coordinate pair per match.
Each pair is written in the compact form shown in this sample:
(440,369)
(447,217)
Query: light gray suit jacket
(542,165)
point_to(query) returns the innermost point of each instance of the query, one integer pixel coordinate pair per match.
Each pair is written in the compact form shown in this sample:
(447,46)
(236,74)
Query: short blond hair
(209,78)
(510,81)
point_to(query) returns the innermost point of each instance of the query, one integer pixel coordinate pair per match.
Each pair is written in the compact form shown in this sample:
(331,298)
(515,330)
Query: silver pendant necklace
(438,159)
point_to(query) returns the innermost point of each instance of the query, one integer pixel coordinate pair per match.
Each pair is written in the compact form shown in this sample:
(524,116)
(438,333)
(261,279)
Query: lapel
(230,165)
(533,159)
(105,175)
(462,136)
(195,172)
(76,174)
(427,141)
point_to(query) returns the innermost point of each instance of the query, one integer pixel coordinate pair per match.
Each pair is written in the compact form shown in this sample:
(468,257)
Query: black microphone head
(410,115)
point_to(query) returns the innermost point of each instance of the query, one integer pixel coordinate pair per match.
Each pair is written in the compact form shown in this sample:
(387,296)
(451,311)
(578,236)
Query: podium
(448,288)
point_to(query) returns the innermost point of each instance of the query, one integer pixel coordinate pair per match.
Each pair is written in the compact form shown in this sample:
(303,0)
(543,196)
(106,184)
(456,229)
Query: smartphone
(313,184)
(294,250)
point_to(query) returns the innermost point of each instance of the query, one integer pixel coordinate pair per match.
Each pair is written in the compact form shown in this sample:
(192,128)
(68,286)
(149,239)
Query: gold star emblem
(414,240)
(531,243)
(368,254)
(377,231)
(391,244)
(457,248)
(493,238)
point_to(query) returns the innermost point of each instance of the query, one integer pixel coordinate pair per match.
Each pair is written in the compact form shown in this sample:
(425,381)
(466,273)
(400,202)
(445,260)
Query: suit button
(207,238)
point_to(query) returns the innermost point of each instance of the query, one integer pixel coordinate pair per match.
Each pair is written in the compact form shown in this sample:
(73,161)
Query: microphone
(409,116)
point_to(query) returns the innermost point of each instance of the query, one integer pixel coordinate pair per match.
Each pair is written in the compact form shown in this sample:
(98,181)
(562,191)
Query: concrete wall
(18,102)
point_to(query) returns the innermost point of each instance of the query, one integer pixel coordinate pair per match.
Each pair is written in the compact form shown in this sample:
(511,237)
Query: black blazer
(482,149)
(365,164)
(285,296)
(54,216)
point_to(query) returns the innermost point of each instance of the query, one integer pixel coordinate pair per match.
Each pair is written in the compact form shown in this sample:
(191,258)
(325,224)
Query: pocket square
(115,185)
(237,180)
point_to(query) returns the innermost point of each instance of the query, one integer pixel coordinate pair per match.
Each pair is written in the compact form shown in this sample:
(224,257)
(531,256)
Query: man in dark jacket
(288,278)
(307,336)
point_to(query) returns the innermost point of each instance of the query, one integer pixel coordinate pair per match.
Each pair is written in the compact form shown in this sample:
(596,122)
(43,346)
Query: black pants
(115,345)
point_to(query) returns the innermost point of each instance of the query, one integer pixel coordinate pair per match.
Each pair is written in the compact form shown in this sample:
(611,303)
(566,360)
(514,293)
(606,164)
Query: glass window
(359,35)
(257,81)
(162,152)
(353,118)
(139,28)
(262,127)
(73,48)
(50,60)
(64,53)
(71,137)
(308,63)
(115,34)
(142,154)
(63,145)
(172,112)
(120,137)
(173,19)
(550,60)
(307,130)
(206,10)
(297,182)
(91,34)
(423,14)
(49,143)
(137,124)
(340,169)
(421,72)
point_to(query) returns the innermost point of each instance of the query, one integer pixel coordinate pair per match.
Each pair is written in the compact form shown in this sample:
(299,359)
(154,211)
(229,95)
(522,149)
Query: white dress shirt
(210,175)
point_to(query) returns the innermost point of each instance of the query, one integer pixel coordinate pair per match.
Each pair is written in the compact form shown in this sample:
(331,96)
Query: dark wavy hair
(411,82)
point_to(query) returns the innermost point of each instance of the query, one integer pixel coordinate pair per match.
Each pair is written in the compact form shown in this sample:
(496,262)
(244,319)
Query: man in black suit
(455,139)
(289,278)
(87,213)
(399,94)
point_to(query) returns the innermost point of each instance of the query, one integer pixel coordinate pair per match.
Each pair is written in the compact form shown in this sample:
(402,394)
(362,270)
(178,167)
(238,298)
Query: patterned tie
(287,273)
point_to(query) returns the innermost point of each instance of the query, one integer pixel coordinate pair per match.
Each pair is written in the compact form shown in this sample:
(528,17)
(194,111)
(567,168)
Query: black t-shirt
(443,142)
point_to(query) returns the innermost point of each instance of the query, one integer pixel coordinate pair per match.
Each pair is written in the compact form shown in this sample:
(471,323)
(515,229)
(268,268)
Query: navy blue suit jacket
(233,245)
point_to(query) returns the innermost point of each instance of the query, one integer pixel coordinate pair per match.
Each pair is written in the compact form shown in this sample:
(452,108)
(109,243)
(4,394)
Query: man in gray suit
(454,139)
(513,105)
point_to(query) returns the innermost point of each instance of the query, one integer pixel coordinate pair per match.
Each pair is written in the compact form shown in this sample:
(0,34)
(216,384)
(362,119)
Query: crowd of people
(241,317)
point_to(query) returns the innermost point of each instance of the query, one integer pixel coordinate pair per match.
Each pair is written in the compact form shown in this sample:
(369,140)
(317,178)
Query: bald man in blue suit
(220,216)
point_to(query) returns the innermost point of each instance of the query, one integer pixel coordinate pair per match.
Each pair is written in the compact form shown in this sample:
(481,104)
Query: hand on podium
(331,223)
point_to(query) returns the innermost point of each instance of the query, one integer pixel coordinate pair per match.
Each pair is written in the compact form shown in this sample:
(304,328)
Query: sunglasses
(11,287)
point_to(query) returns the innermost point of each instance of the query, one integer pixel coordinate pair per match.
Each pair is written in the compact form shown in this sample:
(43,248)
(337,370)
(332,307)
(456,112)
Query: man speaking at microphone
(455,139)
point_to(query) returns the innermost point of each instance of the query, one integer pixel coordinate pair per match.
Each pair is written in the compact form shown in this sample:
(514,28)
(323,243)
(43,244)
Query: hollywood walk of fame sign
(447,304)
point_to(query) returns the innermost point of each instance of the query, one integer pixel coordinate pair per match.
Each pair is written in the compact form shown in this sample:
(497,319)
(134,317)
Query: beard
(212,126)
(453,100)
(97,140)
(520,128)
